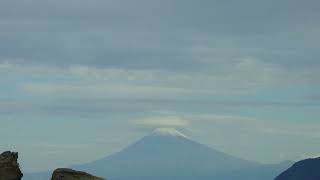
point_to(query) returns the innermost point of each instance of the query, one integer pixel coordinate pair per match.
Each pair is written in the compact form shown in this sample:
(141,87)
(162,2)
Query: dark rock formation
(9,167)
(69,174)
(308,169)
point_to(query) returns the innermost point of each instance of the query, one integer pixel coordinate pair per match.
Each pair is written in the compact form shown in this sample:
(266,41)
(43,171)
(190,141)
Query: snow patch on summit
(168,132)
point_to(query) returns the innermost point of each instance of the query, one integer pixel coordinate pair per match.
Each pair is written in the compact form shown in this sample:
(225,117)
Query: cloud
(308,156)
(218,118)
(194,122)
(95,92)
(313,97)
(238,77)
(160,121)
(57,147)
(191,122)
(311,132)
(256,125)
(104,91)
(156,35)
(236,123)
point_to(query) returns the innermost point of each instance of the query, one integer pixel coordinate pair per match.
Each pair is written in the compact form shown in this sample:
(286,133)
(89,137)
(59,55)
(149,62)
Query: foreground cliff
(69,174)
(308,169)
(9,167)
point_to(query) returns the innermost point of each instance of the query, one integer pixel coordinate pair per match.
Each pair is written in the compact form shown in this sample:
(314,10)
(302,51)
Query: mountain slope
(167,154)
(164,154)
(308,169)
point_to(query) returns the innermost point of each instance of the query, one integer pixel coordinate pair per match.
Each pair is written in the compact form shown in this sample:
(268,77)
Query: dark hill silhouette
(308,169)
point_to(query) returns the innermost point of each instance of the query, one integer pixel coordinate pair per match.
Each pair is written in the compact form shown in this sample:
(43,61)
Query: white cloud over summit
(163,121)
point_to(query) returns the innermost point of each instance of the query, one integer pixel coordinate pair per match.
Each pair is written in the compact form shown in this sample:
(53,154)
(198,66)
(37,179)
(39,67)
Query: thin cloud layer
(163,121)
(159,35)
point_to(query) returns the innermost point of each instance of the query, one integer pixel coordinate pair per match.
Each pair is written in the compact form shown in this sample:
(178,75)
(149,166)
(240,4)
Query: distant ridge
(308,169)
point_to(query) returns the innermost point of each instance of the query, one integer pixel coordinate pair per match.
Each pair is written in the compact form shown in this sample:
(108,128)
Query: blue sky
(82,79)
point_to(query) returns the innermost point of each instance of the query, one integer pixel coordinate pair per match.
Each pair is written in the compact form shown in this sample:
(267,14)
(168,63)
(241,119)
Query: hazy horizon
(82,79)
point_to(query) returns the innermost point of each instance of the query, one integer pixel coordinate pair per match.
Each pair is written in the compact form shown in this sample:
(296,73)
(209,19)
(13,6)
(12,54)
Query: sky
(82,79)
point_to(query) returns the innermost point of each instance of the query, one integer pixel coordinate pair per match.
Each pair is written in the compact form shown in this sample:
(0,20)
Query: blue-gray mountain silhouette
(167,154)
(308,169)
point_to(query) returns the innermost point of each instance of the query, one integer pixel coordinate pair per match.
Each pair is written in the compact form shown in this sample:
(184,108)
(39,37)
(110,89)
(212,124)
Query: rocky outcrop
(69,174)
(308,169)
(9,167)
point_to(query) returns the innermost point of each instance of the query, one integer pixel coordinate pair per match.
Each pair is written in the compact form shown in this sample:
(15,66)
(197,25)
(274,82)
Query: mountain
(167,154)
(308,169)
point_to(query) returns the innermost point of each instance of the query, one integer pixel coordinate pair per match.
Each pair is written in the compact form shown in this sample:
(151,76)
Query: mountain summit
(165,154)
(168,132)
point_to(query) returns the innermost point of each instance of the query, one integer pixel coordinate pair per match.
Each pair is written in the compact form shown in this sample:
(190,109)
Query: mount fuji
(167,154)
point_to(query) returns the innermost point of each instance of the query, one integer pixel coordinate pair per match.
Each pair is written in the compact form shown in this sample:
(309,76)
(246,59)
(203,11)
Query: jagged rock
(69,174)
(9,167)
